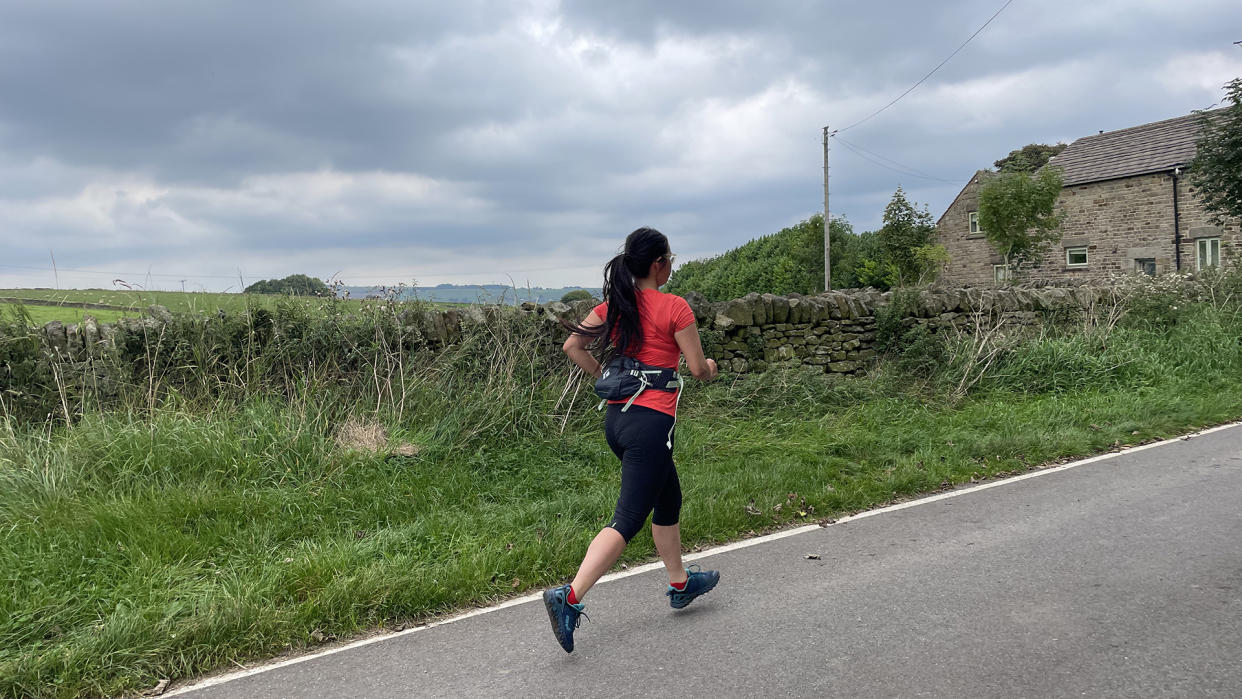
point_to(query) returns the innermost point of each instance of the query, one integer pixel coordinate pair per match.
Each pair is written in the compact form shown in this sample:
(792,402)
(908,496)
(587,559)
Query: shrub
(881,275)
(27,380)
(576,295)
(292,285)
(891,320)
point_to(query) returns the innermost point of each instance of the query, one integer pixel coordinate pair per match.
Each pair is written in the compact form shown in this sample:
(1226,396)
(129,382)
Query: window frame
(1001,274)
(1140,264)
(972,223)
(1213,242)
(1086,256)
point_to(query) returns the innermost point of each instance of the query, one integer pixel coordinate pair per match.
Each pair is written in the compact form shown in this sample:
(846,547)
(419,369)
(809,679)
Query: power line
(933,70)
(904,169)
(909,172)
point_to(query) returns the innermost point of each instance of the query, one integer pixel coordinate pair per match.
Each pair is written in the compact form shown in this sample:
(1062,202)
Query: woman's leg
(604,551)
(637,438)
(666,524)
(668,544)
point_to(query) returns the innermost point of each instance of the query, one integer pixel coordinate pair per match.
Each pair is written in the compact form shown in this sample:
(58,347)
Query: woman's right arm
(576,347)
(692,347)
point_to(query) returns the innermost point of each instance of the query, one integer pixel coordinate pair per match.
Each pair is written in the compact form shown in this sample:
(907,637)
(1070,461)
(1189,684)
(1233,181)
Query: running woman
(637,320)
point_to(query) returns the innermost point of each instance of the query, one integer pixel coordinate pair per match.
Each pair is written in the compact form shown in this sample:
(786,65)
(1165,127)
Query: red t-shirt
(660,315)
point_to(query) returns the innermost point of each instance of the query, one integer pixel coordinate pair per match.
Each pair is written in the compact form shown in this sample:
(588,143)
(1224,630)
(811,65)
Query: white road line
(746,543)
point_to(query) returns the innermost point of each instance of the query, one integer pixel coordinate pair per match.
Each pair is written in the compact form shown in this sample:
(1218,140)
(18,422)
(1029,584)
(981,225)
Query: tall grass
(218,515)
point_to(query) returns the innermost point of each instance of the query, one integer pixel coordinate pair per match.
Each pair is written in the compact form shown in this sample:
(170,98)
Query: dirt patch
(406,449)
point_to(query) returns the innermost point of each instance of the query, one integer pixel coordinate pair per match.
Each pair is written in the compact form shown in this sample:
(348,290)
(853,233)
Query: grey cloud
(144,85)
(547,127)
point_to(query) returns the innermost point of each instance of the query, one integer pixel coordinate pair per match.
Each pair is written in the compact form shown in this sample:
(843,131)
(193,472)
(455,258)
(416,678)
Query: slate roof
(1138,150)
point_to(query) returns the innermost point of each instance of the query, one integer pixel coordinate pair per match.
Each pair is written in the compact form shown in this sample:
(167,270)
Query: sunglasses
(669,258)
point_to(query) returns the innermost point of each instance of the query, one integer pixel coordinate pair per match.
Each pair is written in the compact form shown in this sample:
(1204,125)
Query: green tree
(789,261)
(807,253)
(931,259)
(907,240)
(1028,158)
(880,274)
(848,252)
(292,285)
(1016,213)
(1216,171)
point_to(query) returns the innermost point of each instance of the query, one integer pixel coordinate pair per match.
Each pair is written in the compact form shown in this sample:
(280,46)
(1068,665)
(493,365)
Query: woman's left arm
(703,368)
(576,347)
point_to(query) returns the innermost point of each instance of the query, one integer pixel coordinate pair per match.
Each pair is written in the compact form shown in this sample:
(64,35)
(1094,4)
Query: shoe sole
(704,591)
(549,603)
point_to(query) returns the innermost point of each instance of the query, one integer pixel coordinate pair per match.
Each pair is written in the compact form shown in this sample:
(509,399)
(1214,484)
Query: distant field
(138,301)
(41,315)
(172,300)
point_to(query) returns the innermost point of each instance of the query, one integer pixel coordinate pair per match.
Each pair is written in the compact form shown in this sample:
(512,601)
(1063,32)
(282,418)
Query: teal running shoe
(564,616)
(698,582)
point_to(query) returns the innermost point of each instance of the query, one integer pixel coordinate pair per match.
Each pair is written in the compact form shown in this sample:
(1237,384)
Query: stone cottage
(1126,206)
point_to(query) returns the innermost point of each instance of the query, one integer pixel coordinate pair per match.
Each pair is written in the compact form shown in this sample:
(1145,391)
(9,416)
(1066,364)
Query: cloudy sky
(222,141)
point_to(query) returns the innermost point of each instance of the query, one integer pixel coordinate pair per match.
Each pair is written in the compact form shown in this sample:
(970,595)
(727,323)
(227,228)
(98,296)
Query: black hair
(621,330)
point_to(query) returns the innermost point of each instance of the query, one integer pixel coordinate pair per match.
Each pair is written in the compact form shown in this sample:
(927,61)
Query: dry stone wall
(835,332)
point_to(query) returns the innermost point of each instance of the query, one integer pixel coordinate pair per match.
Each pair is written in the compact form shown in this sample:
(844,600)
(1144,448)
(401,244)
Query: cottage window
(974,222)
(1000,273)
(1209,253)
(1145,265)
(1076,257)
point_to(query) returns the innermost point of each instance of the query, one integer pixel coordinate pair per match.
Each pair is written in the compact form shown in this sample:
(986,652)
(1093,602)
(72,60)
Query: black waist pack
(626,378)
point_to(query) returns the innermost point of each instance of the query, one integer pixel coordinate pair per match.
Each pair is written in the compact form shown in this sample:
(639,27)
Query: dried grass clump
(360,434)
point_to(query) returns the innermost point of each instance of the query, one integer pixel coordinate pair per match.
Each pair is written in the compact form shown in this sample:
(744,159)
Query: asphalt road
(1117,578)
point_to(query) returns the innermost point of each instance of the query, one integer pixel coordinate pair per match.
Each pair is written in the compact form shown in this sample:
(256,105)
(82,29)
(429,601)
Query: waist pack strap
(676,404)
(630,402)
(658,378)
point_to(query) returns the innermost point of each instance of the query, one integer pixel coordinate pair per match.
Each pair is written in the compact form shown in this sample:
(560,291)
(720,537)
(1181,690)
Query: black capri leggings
(640,438)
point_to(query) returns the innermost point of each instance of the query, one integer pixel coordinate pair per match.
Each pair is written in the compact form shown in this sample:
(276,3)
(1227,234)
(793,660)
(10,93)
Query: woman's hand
(711,365)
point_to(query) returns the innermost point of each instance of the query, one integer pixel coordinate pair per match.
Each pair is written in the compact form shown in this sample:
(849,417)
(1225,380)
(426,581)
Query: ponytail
(621,332)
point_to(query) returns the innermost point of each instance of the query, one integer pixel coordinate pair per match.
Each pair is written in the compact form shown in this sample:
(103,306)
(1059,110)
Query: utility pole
(827,224)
